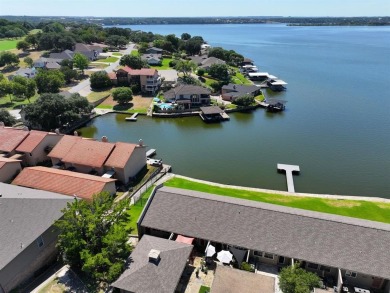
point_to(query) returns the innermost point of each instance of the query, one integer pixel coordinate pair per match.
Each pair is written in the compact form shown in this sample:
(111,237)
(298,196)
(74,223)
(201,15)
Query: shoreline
(279,192)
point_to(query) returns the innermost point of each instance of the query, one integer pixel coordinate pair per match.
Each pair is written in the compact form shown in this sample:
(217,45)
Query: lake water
(336,126)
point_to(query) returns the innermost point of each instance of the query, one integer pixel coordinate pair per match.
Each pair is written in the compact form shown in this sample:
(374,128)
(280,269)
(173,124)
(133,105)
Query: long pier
(289,169)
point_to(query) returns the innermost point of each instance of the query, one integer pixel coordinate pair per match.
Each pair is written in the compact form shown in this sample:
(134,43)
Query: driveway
(84,87)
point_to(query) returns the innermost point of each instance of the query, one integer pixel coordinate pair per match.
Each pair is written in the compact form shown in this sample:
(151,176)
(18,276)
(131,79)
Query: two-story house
(188,96)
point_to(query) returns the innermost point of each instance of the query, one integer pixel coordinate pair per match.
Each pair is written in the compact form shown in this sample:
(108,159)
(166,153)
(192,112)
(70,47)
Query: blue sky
(147,8)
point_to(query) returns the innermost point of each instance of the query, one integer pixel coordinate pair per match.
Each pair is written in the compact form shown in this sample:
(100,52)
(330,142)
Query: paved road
(84,87)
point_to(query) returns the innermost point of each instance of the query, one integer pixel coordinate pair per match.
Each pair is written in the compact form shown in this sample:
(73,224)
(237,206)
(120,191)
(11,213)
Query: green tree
(8,58)
(185,36)
(23,45)
(94,236)
(132,61)
(7,118)
(244,101)
(80,61)
(185,67)
(23,87)
(29,62)
(294,279)
(5,88)
(200,72)
(122,95)
(52,111)
(219,71)
(32,39)
(49,81)
(69,74)
(100,80)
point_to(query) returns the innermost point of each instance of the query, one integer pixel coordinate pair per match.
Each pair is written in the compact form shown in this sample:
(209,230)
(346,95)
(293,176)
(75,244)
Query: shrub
(247,267)
(201,71)
(172,63)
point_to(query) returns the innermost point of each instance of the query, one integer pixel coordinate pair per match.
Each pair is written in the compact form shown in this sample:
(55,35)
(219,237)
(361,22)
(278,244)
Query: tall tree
(7,118)
(94,236)
(219,71)
(132,61)
(185,67)
(122,95)
(49,81)
(51,111)
(23,45)
(8,58)
(185,36)
(80,61)
(29,62)
(294,279)
(100,80)
(5,88)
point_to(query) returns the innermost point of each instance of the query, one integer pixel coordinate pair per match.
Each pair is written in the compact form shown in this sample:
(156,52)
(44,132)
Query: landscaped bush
(247,267)
(172,63)
(100,80)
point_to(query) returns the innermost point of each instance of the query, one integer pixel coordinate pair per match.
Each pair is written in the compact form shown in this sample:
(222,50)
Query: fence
(137,195)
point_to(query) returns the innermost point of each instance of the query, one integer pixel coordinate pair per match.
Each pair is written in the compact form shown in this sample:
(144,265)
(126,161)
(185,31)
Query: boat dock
(225,116)
(133,117)
(289,169)
(150,153)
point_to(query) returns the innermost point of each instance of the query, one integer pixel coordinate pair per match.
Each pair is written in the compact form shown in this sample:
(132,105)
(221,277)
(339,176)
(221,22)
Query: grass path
(368,210)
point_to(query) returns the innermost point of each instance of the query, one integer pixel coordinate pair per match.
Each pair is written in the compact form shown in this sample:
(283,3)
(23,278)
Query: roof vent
(75,133)
(154,256)
(57,131)
(104,139)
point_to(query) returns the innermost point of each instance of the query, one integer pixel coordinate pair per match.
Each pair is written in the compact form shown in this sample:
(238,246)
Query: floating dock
(150,153)
(133,117)
(289,169)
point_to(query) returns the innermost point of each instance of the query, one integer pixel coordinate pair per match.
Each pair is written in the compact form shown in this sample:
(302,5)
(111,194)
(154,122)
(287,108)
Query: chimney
(75,133)
(154,256)
(140,142)
(1,124)
(104,139)
(57,131)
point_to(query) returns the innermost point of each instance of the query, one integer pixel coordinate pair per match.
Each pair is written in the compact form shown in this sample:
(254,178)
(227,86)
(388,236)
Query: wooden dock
(289,169)
(133,117)
(225,116)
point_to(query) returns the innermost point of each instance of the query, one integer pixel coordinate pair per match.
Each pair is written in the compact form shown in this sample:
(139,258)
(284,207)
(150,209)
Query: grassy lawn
(204,289)
(117,54)
(374,211)
(110,59)
(7,44)
(95,96)
(135,53)
(230,106)
(98,65)
(164,64)
(5,102)
(239,78)
(137,208)
(260,98)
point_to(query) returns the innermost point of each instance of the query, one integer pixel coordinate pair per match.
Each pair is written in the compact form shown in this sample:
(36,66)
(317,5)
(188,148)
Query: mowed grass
(204,289)
(5,102)
(8,44)
(134,53)
(96,96)
(368,210)
(110,59)
(164,64)
(136,210)
(239,78)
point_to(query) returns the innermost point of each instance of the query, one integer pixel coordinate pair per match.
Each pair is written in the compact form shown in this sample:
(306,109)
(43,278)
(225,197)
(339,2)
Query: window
(268,255)
(350,274)
(325,269)
(313,266)
(40,241)
(258,253)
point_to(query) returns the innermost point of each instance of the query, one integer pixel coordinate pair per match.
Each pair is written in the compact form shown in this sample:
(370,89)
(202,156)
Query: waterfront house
(120,160)
(211,114)
(127,160)
(188,96)
(340,249)
(147,78)
(64,182)
(232,91)
(36,146)
(81,155)
(27,237)
(155,265)
(10,139)
(9,168)
(247,61)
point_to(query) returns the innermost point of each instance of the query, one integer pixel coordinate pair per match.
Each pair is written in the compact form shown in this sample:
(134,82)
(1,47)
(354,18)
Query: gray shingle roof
(336,241)
(186,89)
(143,276)
(24,215)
